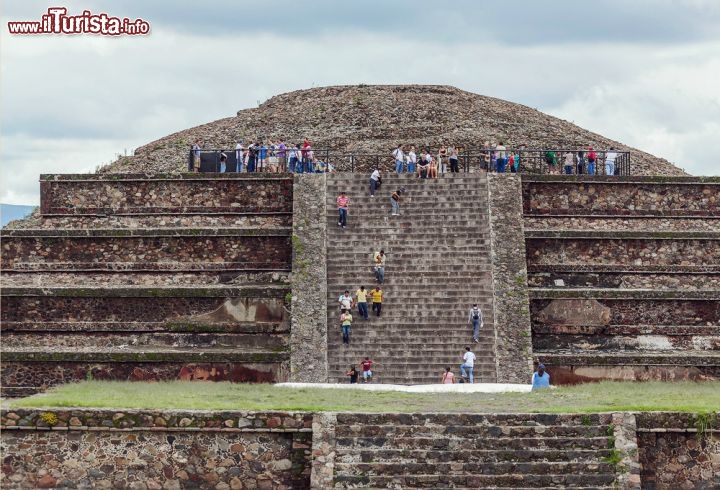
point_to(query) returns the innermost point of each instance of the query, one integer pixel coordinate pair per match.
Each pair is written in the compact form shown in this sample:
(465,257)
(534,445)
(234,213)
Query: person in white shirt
(399,157)
(610,158)
(466,368)
(239,156)
(345,301)
(501,158)
(412,160)
(374,181)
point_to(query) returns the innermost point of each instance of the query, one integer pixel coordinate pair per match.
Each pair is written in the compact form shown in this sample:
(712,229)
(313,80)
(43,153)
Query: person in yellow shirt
(361,300)
(346,321)
(377,296)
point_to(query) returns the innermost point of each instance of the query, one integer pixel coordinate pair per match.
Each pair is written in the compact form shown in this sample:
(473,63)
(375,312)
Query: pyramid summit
(376,118)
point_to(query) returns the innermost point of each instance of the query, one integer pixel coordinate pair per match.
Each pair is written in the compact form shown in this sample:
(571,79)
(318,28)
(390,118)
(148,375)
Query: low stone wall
(142,449)
(662,196)
(309,360)
(675,455)
(145,450)
(180,249)
(167,194)
(513,349)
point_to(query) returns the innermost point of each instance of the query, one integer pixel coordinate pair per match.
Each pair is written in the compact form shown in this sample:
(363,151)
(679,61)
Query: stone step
(464,443)
(475,481)
(527,470)
(462,431)
(474,419)
(111,340)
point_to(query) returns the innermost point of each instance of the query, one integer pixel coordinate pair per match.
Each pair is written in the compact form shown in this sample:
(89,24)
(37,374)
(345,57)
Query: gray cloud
(71,103)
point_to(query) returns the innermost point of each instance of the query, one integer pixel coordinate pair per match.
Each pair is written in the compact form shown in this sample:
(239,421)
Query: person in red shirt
(305,153)
(342,203)
(366,366)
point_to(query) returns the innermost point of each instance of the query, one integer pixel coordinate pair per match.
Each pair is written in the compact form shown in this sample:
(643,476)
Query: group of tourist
(348,302)
(268,156)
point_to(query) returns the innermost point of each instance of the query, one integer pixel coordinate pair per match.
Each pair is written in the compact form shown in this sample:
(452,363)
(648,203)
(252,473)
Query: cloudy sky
(644,72)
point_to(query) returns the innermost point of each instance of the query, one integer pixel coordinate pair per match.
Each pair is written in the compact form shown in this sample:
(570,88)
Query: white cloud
(72,103)
(670,108)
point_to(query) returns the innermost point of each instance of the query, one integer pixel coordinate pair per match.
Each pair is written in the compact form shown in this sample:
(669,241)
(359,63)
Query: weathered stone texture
(625,439)
(509,272)
(323,450)
(151,194)
(166,309)
(621,196)
(164,450)
(674,456)
(633,252)
(375,119)
(35,376)
(624,223)
(651,311)
(161,251)
(309,361)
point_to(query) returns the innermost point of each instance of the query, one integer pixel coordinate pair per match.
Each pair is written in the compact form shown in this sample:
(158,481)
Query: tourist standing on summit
(196,156)
(375,181)
(475,319)
(411,160)
(591,158)
(610,158)
(454,166)
(501,158)
(399,157)
(239,156)
(342,203)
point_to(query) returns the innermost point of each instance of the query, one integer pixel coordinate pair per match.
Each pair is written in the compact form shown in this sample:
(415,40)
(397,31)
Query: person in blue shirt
(540,379)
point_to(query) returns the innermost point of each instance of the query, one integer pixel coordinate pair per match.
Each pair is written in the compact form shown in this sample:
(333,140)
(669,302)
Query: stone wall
(619,251)
(168,194)
(511,303)
(309,361)
(674,455)
(145,450)
(181,249)
(692,196)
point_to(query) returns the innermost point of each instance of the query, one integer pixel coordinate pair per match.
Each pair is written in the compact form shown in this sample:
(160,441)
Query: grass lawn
(592,397)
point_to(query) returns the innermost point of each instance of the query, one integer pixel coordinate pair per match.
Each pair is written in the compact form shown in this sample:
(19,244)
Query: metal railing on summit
(533,161)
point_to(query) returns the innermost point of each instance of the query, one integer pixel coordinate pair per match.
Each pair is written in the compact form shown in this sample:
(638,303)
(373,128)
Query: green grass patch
(586,398)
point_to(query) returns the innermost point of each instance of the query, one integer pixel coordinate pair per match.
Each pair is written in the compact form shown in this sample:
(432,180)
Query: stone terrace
(148,277)
(624,276)
(438,264)
(473,451)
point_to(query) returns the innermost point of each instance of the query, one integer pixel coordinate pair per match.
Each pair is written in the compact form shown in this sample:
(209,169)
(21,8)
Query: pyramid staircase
(437,266)
(474,451)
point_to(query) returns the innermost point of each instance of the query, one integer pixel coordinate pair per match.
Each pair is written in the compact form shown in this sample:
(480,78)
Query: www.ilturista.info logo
(56,21)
